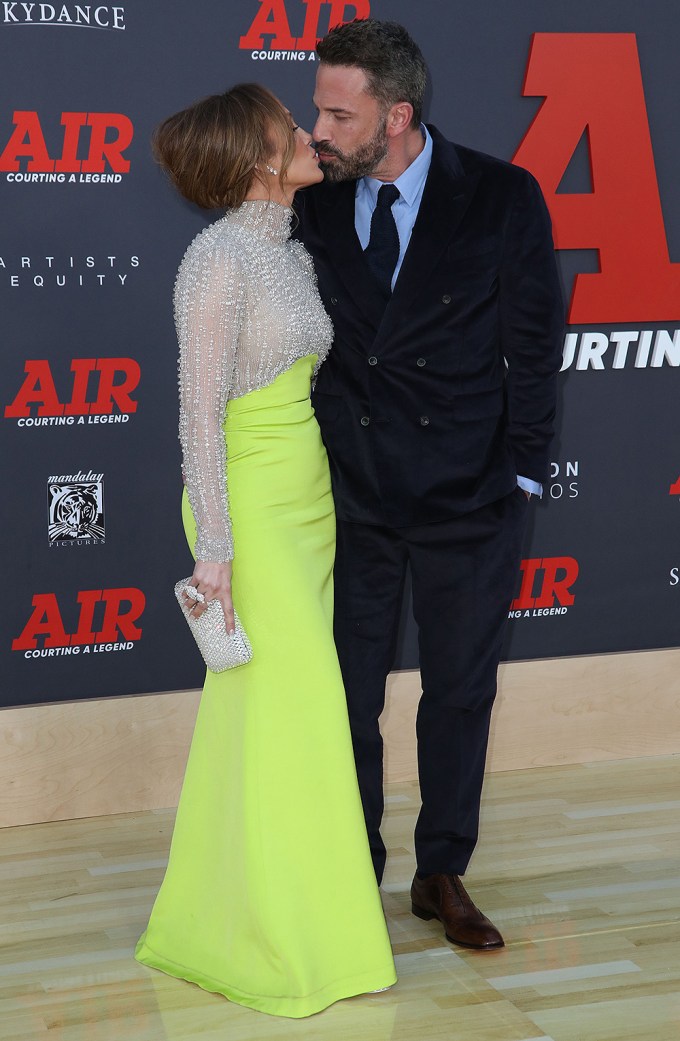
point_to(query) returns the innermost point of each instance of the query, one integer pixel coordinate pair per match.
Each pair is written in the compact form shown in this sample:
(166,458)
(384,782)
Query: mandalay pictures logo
(92,148)
(79,16)
(273,33)
(75,509)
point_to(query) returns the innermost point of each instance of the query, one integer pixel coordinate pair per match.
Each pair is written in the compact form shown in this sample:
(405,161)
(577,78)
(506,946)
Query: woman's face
(304,168)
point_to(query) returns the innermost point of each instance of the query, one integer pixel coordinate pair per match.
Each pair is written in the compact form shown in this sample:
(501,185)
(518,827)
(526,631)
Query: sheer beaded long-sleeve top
(246,308)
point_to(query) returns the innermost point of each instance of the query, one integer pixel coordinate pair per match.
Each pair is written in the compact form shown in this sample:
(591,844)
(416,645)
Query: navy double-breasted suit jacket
(432,405)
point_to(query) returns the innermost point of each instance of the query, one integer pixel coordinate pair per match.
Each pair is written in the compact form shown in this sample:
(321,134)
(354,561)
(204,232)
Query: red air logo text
(546,586)
(97,384)
(91,142)
(271,22)
(592,84)
(105,616)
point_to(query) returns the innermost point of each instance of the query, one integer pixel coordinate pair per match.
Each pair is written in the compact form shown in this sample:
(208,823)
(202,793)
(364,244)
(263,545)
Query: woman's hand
(214,582)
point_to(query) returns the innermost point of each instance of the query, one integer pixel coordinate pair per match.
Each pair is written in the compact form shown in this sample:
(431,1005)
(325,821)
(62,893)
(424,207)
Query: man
(436,405)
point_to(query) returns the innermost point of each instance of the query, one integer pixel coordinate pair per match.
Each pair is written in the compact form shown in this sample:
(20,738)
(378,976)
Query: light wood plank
(116,755)
(578,865)
(559,711)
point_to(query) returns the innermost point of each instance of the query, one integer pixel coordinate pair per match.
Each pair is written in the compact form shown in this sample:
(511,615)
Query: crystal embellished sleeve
(209,306)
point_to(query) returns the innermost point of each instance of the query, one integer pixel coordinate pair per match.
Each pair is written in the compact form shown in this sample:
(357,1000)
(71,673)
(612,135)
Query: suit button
(424,420)
(446,299)
(334,300)
(365,421)
(372,360)
(421,362)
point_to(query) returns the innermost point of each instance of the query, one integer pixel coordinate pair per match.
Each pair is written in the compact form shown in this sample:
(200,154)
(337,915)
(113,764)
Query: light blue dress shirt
(411,184)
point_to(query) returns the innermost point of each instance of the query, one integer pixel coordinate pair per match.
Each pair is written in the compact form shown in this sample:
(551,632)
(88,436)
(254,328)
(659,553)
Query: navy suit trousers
(464,572)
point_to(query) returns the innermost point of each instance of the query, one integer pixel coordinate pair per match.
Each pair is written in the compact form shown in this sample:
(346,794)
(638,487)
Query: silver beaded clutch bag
(221,650)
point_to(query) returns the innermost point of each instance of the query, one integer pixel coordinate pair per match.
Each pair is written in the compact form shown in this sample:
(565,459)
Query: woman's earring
(271,170)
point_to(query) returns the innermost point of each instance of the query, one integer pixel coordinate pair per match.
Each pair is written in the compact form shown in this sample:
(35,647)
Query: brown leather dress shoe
(444,897)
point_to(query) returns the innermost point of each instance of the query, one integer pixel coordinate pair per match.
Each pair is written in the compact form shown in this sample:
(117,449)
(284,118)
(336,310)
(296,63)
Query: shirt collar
(410,183)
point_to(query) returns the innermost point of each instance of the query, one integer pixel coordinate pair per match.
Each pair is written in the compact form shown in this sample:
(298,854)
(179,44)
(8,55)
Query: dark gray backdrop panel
(619,428)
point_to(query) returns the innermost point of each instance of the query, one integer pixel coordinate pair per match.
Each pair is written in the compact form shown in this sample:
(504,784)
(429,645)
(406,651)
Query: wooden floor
(579,866)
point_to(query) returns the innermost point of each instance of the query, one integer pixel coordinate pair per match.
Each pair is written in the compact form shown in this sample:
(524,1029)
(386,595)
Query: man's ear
(399,118)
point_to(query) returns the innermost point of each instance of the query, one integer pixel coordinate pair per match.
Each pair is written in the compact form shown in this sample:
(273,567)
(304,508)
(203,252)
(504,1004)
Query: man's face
(350,133)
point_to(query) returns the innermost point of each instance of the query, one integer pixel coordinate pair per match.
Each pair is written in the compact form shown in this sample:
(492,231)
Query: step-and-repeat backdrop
(584,95)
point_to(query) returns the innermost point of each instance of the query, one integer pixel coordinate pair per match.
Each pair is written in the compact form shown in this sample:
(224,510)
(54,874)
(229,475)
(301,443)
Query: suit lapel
(447,195)
(344,249)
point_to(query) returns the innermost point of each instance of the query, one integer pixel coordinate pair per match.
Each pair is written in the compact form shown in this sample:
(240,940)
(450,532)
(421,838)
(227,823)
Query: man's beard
(349,166)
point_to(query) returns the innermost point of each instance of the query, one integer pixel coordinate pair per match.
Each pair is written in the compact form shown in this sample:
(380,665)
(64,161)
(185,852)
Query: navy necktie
(382,252)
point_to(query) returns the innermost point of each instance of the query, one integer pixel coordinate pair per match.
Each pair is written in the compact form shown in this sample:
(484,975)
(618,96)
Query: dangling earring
(271,170)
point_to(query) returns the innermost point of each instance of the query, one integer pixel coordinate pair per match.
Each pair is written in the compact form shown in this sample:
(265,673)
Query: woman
(270,896)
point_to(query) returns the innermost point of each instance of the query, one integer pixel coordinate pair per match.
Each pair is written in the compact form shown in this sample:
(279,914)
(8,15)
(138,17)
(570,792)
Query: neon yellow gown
(270,896)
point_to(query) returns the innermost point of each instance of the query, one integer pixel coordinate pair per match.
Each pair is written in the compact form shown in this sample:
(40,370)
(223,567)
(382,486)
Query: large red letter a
(593,81)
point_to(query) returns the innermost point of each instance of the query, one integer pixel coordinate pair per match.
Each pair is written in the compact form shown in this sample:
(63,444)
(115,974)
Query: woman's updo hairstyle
(214,149)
